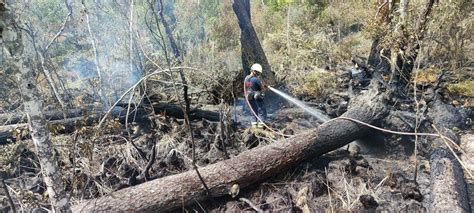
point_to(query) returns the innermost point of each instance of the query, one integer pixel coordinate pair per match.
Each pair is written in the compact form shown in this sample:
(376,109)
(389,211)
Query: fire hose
(439,135)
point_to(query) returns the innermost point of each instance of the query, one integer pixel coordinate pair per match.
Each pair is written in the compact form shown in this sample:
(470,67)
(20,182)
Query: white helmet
(256,67)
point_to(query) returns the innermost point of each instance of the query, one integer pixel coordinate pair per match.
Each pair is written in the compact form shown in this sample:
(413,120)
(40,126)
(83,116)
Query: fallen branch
(7,193)
(254,207)
(249,167)
(89,116)
(18,118)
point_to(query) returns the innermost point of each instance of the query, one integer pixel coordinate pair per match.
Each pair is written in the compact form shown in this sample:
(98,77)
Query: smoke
(72,57)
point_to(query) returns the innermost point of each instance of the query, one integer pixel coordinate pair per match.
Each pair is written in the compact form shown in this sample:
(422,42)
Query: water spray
(323,118)
(320,116)
(259,119)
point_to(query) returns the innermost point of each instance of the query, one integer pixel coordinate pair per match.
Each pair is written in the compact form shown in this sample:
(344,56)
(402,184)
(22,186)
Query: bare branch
(251,204)
(63,26)
(7,193)
(104,98)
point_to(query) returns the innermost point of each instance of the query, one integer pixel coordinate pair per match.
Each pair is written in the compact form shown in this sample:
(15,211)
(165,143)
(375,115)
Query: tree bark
(177,56)
(379,58)
(169,109)
(249,167)
(448,186)
(252,51)
(102,94)
(406,57)
(33,106)
(17,118)
(194,114)
(88,116)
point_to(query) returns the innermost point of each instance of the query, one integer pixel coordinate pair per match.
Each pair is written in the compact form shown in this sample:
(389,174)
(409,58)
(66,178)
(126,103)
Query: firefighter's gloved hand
(259,95)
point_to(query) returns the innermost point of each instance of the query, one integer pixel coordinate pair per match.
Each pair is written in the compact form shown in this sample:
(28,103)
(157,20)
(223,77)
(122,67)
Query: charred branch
(245,169)
(448,186)
(88,117)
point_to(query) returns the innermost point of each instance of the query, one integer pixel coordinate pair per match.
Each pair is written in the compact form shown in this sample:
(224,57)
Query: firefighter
(254,88)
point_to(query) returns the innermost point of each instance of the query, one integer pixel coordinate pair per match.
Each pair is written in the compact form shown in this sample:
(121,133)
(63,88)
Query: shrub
(317,84)
(464,88)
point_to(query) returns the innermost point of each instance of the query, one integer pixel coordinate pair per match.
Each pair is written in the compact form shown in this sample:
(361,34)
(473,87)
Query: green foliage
(50,12)
(450,34)
(318,84)
(308,38)
(277,5)
(225,31)
(298,36)
(464,88)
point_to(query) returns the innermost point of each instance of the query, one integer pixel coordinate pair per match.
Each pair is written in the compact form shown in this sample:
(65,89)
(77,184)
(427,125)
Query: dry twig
(251,204)
(7,193)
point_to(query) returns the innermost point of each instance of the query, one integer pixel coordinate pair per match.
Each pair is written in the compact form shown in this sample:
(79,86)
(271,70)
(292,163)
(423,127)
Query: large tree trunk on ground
(19,62)
(18,118)
(448,186)
(249,167)
(89,116)
(194,114)
(252,51)
(170,110)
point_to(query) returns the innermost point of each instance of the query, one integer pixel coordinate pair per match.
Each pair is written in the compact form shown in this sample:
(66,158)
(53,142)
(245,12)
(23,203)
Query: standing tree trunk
(20,63)
(102,94)
(252,51)
(41,136)
(379,58)
(406,57)
(177,56)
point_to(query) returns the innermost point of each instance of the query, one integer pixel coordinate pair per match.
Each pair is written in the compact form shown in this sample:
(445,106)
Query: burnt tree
(379,57)
(20,62)
(410,46)
(257,164)
(90,116)
(247,168)
(445,170)
(252,51)
(448,186)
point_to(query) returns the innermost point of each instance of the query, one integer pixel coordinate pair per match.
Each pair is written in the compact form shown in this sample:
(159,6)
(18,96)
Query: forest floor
(376,172)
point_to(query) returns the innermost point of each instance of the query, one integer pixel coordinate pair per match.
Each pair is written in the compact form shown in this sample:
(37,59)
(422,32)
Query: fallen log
(69,125)
(18,118)
(169,109)
(176,112)
(248,168)
(447,183)
(90,116)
